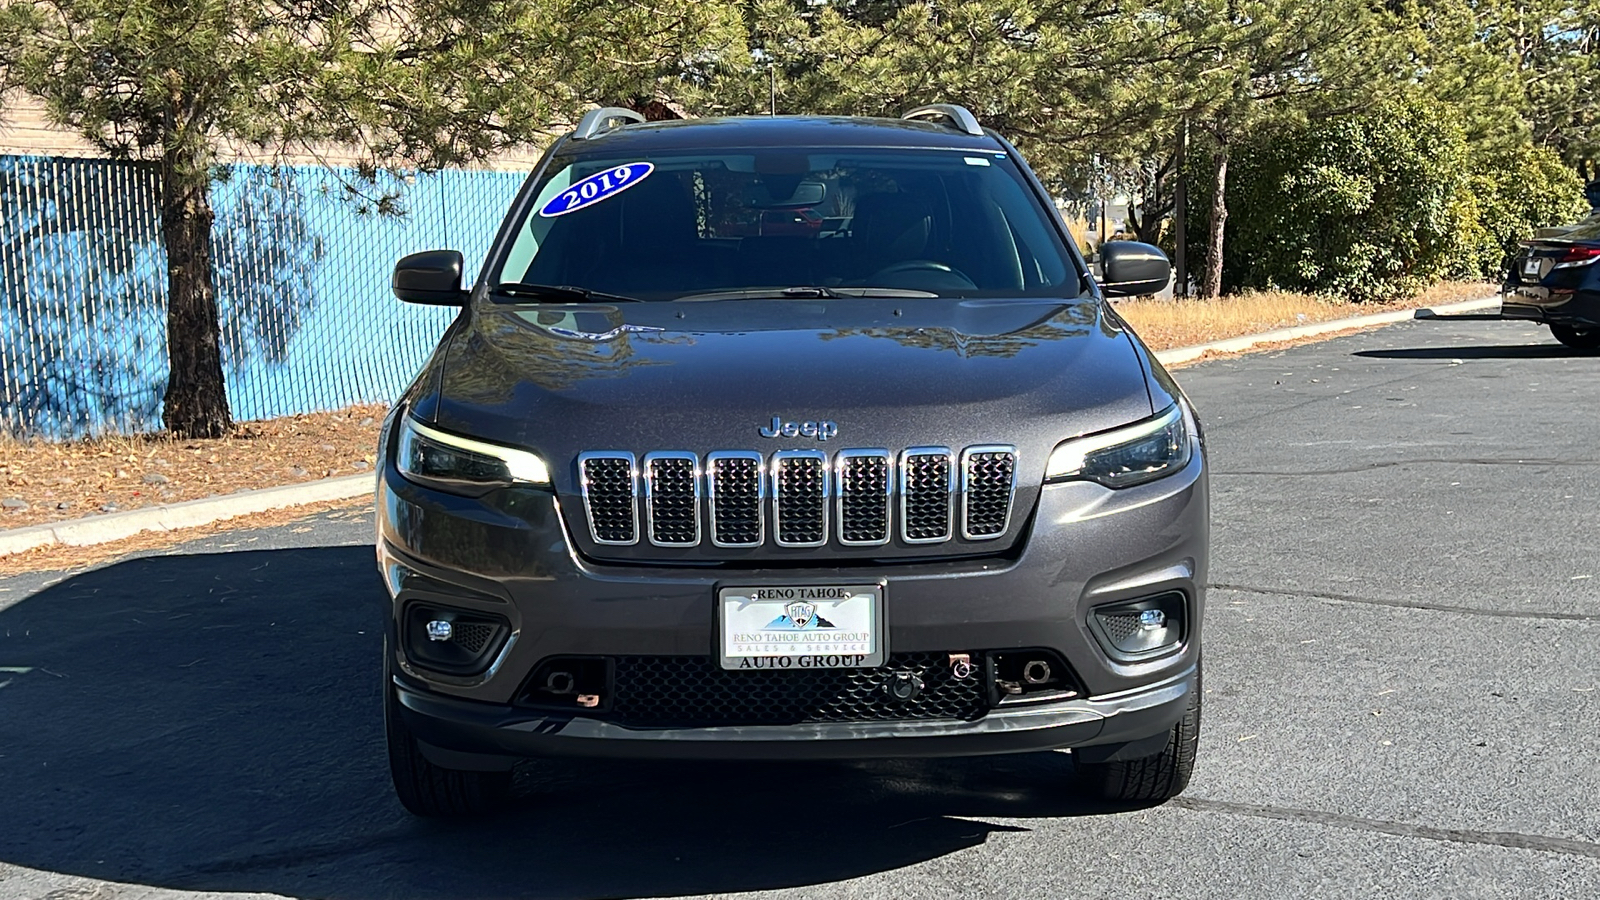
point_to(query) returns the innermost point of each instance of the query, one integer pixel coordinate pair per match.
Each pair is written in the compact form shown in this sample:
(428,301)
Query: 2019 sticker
(597,187)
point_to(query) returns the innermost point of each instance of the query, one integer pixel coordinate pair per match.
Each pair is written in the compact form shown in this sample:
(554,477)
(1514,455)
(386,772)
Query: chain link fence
(302,262)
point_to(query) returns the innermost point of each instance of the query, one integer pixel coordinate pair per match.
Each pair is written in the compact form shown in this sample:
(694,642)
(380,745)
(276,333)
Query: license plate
(1530,267)
(812,626)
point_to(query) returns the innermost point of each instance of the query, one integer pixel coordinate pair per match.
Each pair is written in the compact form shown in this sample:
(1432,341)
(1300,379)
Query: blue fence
(302,276)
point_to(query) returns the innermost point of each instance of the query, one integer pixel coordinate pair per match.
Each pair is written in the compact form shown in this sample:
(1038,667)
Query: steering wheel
(937,274)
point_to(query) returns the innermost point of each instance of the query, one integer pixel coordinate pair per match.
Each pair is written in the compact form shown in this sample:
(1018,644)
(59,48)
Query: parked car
(901,486)
(801,222)
(1555,279)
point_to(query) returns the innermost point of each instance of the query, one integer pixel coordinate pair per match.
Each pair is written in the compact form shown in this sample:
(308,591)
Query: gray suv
(789,438)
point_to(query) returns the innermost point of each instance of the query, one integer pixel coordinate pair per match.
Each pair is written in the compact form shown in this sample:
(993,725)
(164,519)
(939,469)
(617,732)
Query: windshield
(859,223)
(1586,230)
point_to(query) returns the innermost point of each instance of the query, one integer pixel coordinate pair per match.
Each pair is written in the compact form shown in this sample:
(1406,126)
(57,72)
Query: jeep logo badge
(819,430)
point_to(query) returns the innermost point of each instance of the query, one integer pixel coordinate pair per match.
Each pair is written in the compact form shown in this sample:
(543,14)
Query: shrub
(1508,195)
(1376,205)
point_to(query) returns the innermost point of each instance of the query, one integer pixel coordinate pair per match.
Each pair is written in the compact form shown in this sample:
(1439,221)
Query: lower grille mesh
(473,636)
(1120,626)
(689,691)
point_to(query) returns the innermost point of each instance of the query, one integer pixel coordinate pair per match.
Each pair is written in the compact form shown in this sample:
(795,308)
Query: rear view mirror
(1132,269)
(432,277)
(773,193)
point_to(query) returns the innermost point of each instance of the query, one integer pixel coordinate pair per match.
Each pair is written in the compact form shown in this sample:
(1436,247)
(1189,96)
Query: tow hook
(960,666)
(904,686)
(560,683)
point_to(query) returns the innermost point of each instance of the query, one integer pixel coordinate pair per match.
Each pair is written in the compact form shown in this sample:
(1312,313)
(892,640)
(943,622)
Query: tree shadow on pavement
(213,722)
(1478,351)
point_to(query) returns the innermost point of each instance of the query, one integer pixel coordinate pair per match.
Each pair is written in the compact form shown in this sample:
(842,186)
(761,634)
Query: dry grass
(1167,324)
(79,478)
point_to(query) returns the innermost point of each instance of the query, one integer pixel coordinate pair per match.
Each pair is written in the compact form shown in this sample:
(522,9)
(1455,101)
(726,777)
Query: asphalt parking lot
(1402,672)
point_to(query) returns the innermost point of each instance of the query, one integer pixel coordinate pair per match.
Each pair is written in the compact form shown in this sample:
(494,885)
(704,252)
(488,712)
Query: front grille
(800,498)
(988,475)
(855,497)
(608,495)
(735,490)
(864,492)
(926,485)
(691,691)
(672,497)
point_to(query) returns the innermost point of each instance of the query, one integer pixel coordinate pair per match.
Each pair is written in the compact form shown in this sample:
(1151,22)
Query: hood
(702,376)
(731,374)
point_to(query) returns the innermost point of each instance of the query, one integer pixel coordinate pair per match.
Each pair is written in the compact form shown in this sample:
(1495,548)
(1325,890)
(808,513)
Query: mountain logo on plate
(798,615)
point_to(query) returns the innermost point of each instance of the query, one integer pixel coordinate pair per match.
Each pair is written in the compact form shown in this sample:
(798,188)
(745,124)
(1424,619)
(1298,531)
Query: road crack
(1413,604)
(1510,839)
(1389,464)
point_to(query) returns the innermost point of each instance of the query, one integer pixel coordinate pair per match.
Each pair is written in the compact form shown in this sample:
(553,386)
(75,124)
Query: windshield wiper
(811,292)
(788,293)
(559,292)
(903,293)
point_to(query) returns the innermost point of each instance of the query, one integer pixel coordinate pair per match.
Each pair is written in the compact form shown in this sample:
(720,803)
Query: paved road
(1403,695)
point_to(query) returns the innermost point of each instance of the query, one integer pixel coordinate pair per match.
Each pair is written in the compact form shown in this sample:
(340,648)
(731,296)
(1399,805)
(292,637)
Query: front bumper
(450,728)
(509,555)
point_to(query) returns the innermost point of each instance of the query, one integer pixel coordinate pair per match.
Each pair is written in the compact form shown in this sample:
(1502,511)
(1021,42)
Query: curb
(190,513)
(115,526)
(1238,344)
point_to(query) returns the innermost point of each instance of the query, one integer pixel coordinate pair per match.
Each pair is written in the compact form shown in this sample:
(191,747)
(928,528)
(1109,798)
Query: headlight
(1133,454)
(462,465)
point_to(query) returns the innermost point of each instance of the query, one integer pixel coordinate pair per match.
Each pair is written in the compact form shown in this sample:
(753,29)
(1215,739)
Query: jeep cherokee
(789,437)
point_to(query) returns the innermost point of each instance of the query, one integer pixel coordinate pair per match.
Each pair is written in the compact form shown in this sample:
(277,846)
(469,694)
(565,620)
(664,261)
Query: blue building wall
(302,258)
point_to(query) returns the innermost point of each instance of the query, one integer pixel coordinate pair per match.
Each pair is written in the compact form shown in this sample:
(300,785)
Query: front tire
(1153,779)
(1577,338)
(430,790)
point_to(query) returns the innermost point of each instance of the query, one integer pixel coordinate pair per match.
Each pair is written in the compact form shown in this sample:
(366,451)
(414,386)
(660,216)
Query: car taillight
(1580,255)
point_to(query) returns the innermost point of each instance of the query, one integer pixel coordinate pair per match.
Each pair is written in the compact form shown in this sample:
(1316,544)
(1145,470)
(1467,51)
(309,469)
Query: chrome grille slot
(927,480)
(863,486)
(854,498)
(734,489)
(988,480)
(800,498)
(609,482)
(672,498)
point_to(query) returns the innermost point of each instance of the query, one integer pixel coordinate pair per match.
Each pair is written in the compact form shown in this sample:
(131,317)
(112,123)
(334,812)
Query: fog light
(1132,630)
(451,640)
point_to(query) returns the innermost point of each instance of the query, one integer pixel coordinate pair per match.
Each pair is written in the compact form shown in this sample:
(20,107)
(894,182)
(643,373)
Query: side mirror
(1132,269)
(432,277)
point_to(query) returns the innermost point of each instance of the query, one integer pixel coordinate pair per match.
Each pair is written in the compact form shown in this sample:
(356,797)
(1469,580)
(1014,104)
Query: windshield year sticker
(597,187)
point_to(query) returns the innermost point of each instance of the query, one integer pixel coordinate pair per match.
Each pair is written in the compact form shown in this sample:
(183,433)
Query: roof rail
(959,116)
(599,121)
